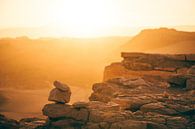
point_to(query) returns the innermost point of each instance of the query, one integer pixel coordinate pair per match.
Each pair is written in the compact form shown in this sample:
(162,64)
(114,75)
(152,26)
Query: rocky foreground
(144,91)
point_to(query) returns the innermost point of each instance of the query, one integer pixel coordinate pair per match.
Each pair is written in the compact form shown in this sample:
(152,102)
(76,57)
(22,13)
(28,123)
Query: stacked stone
(61,114)
(60,94)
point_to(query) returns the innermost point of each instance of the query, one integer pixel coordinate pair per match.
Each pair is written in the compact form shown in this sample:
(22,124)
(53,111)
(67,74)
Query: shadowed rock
(6,123)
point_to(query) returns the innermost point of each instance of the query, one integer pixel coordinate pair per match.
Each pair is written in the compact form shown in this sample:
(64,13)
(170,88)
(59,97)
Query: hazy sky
(91,16)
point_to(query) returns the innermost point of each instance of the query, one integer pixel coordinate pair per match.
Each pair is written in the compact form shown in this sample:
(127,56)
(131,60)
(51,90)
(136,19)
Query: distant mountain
(162,40)
(33,63)
(49,31)
(188,28)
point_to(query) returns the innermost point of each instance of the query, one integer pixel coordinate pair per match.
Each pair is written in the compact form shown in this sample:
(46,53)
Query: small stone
(61,86)
(59,96)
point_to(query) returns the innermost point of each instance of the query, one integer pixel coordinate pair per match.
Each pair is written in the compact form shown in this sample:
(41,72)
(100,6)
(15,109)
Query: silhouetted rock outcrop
(162,40)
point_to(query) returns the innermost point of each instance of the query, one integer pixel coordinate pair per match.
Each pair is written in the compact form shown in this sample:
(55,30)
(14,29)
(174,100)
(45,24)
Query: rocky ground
(144,91)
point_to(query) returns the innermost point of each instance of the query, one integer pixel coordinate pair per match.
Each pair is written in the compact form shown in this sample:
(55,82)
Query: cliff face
(150,65)
(144,91)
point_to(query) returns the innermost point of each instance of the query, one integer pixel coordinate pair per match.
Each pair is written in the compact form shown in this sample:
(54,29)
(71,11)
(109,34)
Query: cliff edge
(144,91)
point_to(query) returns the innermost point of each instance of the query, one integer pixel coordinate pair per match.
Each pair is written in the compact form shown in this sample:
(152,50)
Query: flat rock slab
(65,111)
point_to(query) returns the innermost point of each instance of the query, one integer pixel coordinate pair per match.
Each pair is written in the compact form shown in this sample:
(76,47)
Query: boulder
(59,96)
(190,84)
(102,92)
(66,111)
(56,110)
(61,86)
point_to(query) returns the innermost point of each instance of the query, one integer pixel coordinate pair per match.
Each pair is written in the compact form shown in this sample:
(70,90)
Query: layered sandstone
(144,91)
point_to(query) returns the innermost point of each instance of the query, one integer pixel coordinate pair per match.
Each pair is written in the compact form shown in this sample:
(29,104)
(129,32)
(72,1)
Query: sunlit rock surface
(144,91)
(158,94)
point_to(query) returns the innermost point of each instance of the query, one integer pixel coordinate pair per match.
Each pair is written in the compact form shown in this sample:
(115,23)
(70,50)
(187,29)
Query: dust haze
(29,67)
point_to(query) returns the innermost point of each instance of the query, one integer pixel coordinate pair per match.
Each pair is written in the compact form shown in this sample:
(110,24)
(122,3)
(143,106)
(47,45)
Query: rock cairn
(60,94)
(149,97)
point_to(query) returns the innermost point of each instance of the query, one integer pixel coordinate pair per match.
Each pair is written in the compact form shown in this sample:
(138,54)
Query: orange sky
(95,17)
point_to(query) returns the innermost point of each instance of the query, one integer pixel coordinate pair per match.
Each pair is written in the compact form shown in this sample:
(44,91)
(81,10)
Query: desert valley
(28,86)
(97,64)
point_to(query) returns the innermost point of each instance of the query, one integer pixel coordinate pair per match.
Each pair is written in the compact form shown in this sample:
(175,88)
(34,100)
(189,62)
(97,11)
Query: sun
(84,18)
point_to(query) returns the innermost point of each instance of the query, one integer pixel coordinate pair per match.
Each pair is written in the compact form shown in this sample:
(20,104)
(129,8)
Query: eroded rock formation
(144,91)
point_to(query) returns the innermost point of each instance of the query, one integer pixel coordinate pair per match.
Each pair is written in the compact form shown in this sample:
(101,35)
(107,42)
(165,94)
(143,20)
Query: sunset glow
(83,18)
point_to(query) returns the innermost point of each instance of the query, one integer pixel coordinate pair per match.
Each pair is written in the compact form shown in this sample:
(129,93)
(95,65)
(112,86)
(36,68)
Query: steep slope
(162,40)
